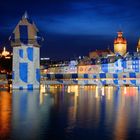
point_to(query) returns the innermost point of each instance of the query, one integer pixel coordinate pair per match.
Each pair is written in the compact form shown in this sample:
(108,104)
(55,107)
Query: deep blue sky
(74,27)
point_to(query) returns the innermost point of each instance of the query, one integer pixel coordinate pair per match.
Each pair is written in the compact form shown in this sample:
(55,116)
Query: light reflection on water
(5,115)
(71,112)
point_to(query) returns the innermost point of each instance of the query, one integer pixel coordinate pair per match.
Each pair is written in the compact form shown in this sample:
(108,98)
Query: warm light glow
(103,92)
(5,113)
(125,91)
(73,89)
(138,47)
(5,53)
(120,48)
(96,92)
(41,98)
(120,44)
(42,89)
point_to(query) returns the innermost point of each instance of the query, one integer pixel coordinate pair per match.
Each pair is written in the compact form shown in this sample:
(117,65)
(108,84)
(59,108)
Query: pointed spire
(138,47)
(120,34)
(4,52)
(4,49)
(139,42)
(25,15)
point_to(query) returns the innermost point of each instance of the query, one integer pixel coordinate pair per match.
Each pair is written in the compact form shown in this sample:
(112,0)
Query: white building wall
(18,83)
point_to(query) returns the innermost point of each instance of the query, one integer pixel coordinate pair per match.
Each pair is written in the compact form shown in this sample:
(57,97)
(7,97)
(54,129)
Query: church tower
(138,47)
(25,41)
(120,44)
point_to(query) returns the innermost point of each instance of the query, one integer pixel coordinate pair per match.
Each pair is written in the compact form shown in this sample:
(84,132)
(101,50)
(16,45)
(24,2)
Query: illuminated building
(100,68)
(5,61)
(26,42)
(4,52)
(138,47)
(120,44)
(111,70)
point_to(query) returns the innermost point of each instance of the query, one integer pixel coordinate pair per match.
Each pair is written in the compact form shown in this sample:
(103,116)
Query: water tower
(26,41)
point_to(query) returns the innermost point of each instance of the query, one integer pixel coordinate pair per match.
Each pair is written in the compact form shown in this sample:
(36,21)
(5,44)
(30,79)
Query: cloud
(80,17)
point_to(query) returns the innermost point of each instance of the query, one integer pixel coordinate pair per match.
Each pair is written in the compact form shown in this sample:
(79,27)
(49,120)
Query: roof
(26,32)
(120,39)
(132,56)
(99,53)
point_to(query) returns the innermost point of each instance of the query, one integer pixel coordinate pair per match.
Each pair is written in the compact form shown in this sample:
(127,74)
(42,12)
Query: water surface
(71,113)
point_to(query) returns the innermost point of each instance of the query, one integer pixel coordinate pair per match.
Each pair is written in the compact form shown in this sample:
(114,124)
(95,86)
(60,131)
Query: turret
(120,44)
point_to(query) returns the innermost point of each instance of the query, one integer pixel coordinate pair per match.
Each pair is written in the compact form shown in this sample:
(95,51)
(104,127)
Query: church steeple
(120,44)
(25,16)
(138,47)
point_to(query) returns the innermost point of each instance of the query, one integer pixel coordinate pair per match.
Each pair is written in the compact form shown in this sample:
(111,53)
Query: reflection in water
(71,112)
(5,115)
(127,112)
(29,115)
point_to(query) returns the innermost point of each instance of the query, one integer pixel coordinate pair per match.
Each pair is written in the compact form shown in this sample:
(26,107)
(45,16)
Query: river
(71,113)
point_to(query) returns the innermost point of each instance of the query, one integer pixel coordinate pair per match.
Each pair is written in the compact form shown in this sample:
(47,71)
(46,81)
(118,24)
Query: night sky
(72,28)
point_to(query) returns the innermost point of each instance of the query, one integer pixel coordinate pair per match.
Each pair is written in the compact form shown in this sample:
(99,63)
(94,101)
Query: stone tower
(25,41)
(120,44)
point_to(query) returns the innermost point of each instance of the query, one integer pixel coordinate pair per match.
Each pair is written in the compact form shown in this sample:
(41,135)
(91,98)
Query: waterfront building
(120,44)
(131,62)
(26,42)
(121,68)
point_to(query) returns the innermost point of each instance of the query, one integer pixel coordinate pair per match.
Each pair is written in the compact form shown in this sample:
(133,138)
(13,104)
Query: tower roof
(139,42)
(120,39)
(138,46)
(25,32)
(25,15)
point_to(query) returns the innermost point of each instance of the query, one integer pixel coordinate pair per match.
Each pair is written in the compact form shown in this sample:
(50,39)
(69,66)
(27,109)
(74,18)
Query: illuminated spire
(4,49)
(120,34)
(139,42)
(138,47)
(4,52)
(25,16)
